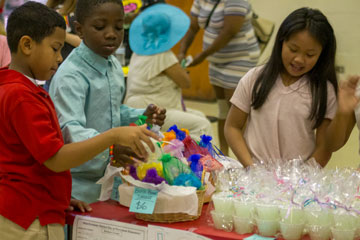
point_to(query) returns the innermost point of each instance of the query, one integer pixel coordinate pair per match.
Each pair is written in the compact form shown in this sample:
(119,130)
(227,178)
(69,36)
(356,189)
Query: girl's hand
(348,100)
(198,59)
(79,205)
(180,57)
(135,138)
(155,114)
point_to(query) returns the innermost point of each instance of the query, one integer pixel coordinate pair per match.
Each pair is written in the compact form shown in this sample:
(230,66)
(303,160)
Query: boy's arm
(155,114)
(234,125)
(129,115)
(39,133)
(74,154)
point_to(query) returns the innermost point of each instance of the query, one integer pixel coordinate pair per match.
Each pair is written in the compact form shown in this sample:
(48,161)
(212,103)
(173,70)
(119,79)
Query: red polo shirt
(29,135)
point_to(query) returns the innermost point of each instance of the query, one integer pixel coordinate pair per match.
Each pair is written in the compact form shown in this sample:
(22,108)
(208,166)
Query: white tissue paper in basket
(171,199)
(107,182)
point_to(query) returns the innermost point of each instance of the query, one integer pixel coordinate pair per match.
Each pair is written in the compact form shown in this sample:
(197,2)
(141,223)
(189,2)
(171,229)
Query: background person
(229,44)
(155,75)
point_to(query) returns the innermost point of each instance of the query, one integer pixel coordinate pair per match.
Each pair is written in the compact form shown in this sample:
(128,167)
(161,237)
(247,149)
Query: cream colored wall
(344,16)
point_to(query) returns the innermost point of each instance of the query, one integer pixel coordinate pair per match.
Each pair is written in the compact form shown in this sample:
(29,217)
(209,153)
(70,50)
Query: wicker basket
(174,217)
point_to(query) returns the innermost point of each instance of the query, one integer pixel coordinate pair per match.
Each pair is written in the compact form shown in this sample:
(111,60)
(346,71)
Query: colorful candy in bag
(153,156)
(175,147)
(141,120)
(205,142)
(156,129)
(210,164)
(187,180)
(195,165)
(173,167)
(141,170)
(153,177)
(179,133)
(133,172)
(168,136)
(191,147)
(185,130)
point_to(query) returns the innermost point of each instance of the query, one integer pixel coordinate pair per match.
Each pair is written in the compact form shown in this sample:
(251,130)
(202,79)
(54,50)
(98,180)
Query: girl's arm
(232,25)
(339,131)
(188,38)
(178,75)
(74,154)
(234,126)
(344,121)
(321,153)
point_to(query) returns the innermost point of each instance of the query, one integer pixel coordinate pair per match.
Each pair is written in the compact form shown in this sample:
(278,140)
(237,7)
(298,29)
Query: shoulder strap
(211,13)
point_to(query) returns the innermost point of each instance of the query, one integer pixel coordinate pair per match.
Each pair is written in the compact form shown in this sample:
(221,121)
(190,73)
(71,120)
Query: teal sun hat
(157,29)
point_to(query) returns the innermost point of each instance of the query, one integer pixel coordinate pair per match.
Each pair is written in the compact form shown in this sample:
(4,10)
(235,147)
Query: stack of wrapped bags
(288,200)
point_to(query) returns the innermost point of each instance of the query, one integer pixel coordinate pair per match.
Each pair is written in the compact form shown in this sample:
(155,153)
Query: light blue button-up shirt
(87,91)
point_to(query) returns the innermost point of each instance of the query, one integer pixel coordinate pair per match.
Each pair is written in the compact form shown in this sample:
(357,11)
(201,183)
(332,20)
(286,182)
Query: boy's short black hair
(34,20)
(84,8)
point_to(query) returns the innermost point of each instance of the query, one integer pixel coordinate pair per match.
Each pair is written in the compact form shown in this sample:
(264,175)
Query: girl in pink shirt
(289,102)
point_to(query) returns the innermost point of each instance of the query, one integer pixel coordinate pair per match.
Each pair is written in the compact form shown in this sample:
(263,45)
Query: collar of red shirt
(12,76)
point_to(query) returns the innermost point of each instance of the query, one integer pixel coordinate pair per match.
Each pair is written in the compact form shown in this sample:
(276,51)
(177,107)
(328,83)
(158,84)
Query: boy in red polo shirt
(35,182)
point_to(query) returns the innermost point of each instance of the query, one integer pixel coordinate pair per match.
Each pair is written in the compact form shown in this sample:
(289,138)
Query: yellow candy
(142,169)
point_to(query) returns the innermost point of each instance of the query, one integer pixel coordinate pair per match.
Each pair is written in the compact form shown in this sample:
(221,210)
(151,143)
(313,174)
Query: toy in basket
(177,171)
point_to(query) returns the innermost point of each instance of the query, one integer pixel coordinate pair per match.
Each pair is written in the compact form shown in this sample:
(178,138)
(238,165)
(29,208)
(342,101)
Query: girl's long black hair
(318,26)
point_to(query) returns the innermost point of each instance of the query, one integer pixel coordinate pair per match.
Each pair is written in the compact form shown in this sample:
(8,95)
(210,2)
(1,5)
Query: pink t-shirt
(280,129)
(5,56)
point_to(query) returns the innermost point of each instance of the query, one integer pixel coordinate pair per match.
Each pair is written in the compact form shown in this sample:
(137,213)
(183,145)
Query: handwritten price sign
(143,200)
(115,190)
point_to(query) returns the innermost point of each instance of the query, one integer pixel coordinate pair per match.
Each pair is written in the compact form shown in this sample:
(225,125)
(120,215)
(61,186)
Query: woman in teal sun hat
(155,74)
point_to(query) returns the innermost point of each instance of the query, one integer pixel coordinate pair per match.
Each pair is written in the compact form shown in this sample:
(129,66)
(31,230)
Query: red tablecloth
(112,210)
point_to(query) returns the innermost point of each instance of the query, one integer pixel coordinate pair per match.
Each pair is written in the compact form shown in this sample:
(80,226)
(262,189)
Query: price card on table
(115,189)
(91,228)
(143,200)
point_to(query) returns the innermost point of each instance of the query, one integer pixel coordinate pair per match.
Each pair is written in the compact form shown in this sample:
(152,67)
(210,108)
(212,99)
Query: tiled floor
(348,156)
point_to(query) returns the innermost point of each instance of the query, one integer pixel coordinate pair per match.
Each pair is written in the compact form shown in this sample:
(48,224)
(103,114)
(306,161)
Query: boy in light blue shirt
(89,86)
